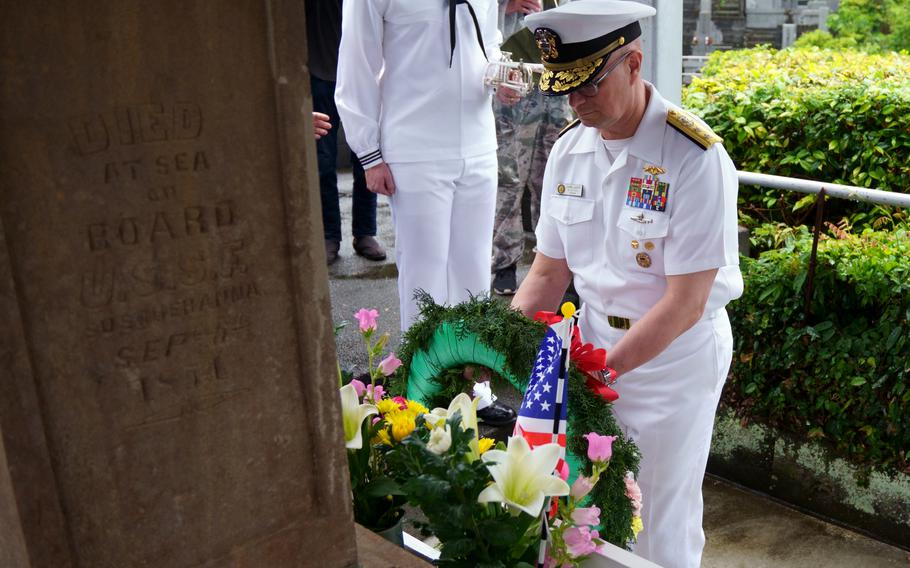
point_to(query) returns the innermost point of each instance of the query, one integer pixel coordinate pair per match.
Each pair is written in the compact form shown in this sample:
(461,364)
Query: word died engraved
(136,124)
(182,307)
(160,225)
(140,169)
(106,282)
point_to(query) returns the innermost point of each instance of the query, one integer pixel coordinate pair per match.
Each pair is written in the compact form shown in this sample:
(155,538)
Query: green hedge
(842,373)
(836,116)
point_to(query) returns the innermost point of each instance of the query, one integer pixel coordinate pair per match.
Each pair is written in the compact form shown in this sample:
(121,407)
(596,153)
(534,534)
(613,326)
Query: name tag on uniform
(570,189)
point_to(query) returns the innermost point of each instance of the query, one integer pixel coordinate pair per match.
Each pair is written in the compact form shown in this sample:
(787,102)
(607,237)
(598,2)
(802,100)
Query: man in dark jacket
(323,20)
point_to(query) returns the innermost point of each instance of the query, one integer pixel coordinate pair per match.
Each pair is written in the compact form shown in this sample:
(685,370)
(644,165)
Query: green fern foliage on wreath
(486,325)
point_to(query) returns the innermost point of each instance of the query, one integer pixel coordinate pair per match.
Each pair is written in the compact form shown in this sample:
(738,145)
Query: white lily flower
(468,410)
(440,440)
(523,477)
(436,417)
(353,414)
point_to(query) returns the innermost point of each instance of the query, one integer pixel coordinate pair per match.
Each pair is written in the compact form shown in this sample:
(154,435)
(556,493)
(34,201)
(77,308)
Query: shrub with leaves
(835,116)
(839,371)
(873,24)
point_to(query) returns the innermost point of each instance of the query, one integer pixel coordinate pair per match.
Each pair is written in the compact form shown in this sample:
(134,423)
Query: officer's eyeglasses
(589,90)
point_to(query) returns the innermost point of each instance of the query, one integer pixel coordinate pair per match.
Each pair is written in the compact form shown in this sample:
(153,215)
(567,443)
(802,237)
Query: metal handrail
(850,192)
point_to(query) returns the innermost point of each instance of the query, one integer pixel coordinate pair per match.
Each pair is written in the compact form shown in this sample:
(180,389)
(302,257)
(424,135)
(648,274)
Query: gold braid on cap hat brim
(560,77)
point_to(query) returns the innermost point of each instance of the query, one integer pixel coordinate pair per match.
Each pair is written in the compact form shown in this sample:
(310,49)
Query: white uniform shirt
(396,92)
(593,214)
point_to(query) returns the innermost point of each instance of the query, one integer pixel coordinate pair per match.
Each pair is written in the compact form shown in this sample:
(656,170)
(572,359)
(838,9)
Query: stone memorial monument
(168,395)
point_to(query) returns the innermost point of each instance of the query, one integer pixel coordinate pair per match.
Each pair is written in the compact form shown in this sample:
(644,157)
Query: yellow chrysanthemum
(485,444)
(416,408)
(382,437)
(637,526)
(386,405)
(402,424)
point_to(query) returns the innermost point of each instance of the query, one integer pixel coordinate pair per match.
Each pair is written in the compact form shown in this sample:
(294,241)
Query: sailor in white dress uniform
(416,112)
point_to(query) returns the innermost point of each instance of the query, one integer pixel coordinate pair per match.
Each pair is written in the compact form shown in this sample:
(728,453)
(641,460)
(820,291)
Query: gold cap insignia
(546,43)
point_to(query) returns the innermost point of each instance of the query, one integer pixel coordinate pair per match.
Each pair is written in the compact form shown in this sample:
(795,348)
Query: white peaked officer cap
(576,39)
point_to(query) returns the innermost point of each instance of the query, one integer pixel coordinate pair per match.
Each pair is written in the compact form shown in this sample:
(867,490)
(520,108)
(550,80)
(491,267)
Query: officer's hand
(321,124)
(507,96)
(379,179)
(523,6)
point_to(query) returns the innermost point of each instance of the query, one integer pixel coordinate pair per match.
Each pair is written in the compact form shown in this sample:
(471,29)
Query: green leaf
(382,486)
(857,381)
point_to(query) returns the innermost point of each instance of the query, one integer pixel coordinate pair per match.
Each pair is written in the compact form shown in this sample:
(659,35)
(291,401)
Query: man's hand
(321,124)
(523,6)
(379,179)
(507,96)
(543,287)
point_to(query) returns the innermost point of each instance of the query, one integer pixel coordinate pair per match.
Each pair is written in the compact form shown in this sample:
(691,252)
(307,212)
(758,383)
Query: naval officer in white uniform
(415,110)
(639,207)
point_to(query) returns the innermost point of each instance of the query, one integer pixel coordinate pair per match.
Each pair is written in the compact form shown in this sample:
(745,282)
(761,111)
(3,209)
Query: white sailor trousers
(443,216)
(667,406)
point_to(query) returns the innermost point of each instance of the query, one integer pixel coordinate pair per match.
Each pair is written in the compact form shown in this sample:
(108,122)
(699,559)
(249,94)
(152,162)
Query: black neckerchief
(452,5)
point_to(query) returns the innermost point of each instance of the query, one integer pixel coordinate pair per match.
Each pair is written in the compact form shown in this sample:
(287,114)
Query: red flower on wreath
(587,359)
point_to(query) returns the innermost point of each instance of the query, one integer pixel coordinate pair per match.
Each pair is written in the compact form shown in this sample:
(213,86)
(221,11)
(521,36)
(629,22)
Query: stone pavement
(743,529)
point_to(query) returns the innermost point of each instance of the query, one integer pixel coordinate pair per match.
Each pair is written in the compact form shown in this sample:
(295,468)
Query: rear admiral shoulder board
(692,128)
(569,127)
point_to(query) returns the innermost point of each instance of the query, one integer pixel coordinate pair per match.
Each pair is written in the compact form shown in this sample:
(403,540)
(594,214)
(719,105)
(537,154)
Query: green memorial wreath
(483,331)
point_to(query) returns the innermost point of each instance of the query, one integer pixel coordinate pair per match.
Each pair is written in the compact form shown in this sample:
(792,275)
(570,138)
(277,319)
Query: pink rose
(586,516)
(367,319)
(581,487)
(359,387)
(600,448)
(633,492)
(402,402)
(580,541)
(388,365)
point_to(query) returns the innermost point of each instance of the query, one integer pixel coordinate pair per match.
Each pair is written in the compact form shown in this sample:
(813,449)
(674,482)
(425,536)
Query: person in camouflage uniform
(525,132)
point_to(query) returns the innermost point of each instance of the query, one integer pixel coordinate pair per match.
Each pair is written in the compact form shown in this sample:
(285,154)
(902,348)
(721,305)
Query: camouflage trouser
(525,131)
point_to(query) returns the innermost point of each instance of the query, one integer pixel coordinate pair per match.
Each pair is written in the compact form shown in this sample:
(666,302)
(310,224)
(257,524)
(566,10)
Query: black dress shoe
(331,251)
(369,248)
(497,414)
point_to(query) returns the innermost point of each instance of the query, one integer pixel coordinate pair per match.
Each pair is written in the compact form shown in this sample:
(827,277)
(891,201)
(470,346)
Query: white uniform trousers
(667,407)
(443,216)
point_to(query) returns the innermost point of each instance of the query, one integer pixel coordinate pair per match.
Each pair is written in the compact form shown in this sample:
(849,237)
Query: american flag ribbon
(544,409)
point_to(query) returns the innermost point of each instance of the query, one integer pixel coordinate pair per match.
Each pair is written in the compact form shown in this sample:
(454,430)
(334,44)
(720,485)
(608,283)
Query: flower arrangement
(377,497)
(485,502)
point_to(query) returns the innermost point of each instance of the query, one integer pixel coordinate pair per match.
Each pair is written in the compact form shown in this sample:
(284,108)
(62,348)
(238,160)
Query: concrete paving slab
(747,530)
